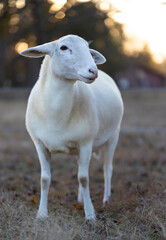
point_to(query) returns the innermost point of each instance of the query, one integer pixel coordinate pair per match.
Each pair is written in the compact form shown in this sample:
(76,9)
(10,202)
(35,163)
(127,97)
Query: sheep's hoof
(40,220)
(41,217)
(107,202)
(91,217)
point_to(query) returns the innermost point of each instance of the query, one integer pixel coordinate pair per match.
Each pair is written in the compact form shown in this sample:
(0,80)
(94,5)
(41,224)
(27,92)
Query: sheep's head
(71,58)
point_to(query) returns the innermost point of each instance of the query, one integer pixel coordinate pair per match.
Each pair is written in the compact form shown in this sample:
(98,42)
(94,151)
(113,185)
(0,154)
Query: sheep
(73,108)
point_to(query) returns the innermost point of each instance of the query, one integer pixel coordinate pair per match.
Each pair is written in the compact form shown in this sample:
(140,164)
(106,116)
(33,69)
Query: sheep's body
(68,116)
(65,114)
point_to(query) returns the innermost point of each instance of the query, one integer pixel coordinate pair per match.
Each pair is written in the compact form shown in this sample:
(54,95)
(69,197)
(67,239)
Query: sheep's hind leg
(108,153)
(44,158)
(80,198)
(83,178)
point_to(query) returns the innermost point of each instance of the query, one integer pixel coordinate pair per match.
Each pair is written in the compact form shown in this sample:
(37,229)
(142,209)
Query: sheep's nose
(95,73)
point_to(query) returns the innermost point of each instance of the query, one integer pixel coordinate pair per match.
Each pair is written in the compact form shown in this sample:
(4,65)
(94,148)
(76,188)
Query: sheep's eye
(63,48)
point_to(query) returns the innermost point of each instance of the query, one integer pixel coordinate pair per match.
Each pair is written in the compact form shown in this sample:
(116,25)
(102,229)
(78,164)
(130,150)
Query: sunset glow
(144,24)
(1,6)
(56,5)
(20,46)
(20,4)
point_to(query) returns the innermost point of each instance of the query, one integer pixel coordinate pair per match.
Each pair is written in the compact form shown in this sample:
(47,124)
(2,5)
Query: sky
(144,23)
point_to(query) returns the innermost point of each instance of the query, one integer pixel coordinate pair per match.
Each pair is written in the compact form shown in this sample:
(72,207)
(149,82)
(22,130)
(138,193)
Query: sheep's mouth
(87,79)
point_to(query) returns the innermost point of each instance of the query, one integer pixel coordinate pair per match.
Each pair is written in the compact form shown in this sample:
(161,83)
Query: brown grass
(138,205)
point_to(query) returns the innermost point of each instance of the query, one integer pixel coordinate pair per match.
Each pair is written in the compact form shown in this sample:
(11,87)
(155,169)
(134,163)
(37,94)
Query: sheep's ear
(38,51)
(98,57)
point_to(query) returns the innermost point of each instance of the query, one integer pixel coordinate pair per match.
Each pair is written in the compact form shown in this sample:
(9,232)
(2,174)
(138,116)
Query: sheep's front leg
(83,178)
(44,157)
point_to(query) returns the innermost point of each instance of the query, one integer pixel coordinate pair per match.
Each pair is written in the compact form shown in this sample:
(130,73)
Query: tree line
(34,22)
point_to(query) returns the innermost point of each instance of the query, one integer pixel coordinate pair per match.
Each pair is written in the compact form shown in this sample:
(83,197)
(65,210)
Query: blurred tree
(162,68)
(143,58)
(25,23)
(4,19)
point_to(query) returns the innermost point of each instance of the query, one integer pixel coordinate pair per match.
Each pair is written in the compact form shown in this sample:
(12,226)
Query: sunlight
(108,22)
(20,46)
(20,4)
(60,15)
(144,21)
(159,57)
(56,5)
(1,6)
(83,1)
(104,5)
(15,18)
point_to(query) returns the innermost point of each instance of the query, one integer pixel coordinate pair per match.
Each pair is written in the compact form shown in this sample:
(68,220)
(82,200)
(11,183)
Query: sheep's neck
(57,97)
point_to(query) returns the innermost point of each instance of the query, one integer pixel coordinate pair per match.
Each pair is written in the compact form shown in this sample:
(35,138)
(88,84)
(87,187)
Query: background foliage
(29,23)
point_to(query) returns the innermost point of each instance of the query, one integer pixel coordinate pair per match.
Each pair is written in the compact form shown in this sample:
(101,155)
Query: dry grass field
(138,205)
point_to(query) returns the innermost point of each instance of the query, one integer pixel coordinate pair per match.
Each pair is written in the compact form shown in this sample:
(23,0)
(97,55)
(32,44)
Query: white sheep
(67,115)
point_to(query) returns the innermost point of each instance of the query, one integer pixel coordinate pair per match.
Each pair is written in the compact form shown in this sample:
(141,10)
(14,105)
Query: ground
(137,209)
